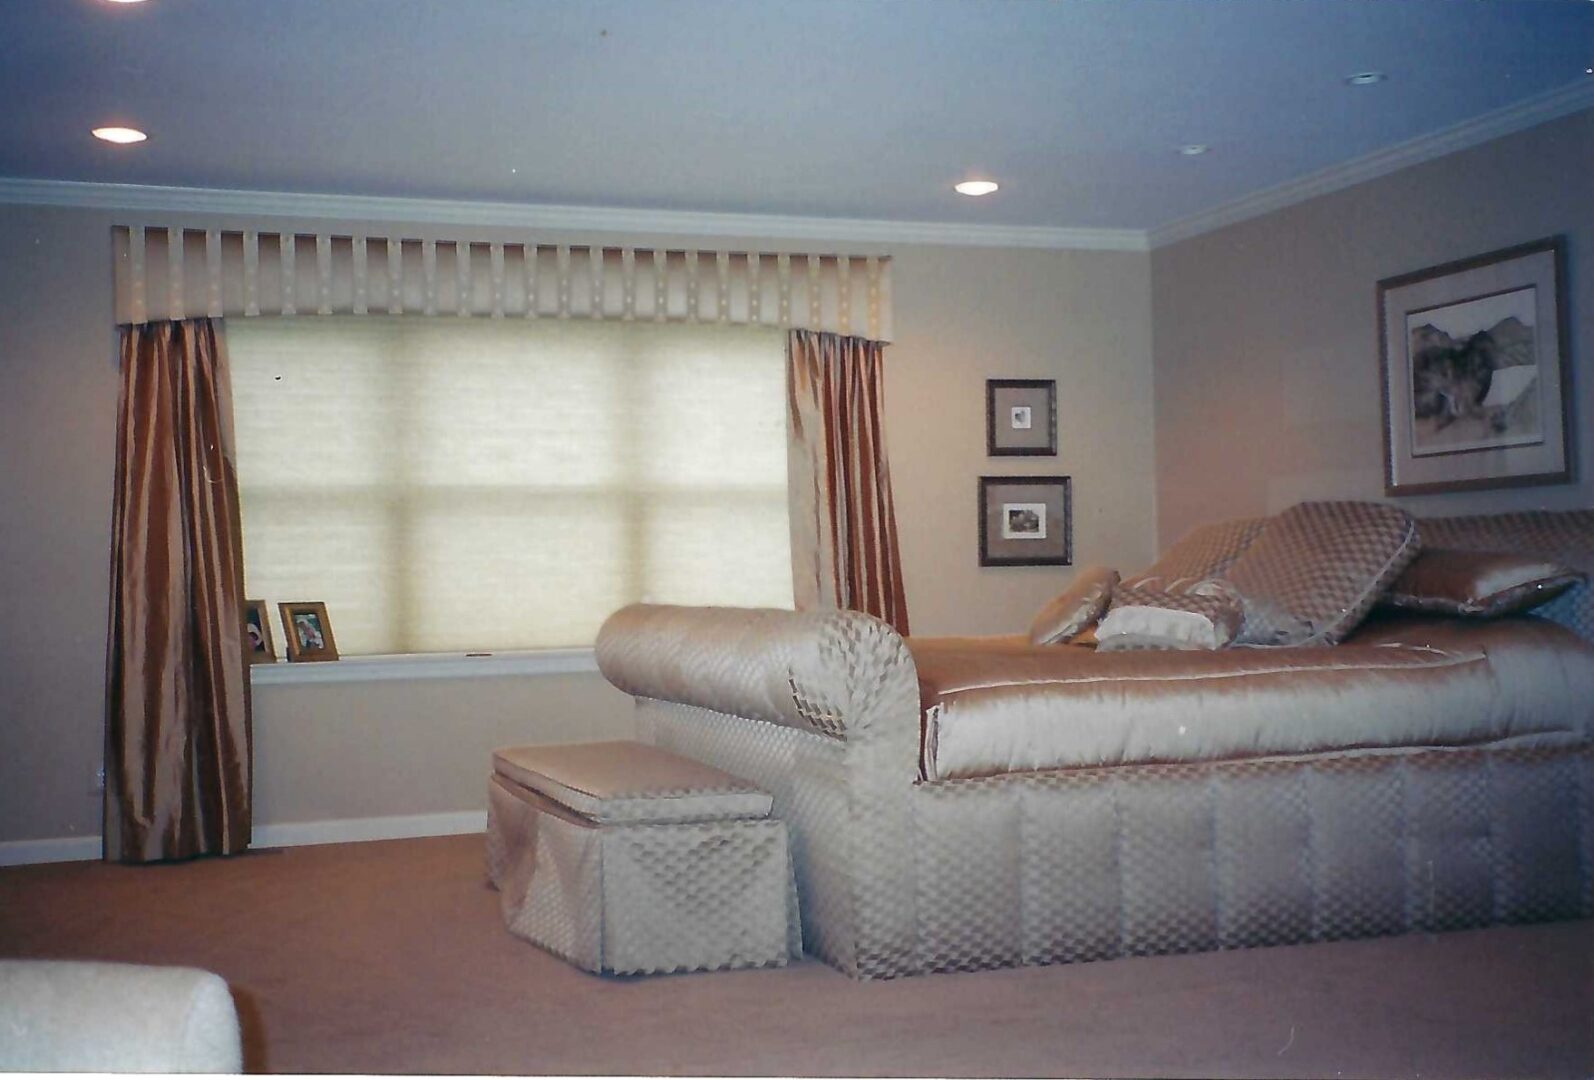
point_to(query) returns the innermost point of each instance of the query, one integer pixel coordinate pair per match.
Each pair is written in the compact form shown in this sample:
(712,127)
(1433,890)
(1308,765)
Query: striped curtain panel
(177,755)
(843,524)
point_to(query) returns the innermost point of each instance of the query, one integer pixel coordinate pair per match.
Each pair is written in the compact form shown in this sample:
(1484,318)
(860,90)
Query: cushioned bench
(626,859)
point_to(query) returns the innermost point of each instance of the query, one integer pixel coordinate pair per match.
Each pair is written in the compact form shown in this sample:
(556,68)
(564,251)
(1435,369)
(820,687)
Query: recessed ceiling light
(119,134)
(1365,78)
(1194,149)
(975,187)
(127,1)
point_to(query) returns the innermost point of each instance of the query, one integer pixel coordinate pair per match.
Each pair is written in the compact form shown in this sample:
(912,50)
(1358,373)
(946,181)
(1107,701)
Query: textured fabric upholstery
(898,876)
(630,782)
(1086,864)
(811,670)
(1322,565)
(1075,608)
(1479,583)
(71,1016)
(1206,551)
(641,899)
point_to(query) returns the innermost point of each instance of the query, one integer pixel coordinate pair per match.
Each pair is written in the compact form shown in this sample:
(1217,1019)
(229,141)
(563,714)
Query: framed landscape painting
(1026,521)
(1473,357)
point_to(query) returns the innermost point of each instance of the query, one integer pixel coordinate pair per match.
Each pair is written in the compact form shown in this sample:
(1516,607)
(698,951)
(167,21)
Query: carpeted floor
(389,958)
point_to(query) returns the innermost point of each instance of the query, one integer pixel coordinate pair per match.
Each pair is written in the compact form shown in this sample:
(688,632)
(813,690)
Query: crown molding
(1574,97)
(138,197)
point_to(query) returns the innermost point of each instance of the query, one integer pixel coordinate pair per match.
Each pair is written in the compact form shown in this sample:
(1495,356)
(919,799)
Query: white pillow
(1207,617)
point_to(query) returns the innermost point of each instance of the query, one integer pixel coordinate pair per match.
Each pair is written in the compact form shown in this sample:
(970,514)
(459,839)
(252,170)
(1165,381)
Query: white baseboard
(285,834)
(57,849)
(350,830)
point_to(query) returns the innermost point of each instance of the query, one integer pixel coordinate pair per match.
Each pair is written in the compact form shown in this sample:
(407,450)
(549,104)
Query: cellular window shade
(449,484)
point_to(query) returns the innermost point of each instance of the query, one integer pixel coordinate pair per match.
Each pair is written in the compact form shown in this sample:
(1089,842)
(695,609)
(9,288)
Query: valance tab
(180,273)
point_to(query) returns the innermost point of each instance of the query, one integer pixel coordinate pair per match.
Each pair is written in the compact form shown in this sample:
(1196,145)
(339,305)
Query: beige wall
(355,750)
(1266,341)
(963,316)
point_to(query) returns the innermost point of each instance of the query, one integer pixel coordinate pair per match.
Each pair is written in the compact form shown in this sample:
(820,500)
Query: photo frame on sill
(258,646)
(1026,521)
(308,632)
(1021,417)
(1473,357)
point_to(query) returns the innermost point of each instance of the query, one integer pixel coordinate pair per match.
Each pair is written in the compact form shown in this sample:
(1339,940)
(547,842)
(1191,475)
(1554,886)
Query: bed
(1426,773)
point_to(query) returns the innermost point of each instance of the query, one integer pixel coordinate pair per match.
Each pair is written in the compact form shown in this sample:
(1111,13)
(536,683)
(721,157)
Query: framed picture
(257,633)
(1026,521)
(308,632)
(1473,356)
(1021,417)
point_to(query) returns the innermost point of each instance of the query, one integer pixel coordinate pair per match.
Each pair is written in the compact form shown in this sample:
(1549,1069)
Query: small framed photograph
(1023,521)
(257,633)
(1026,521)
(1020,417)
(308,632)
(1475,379)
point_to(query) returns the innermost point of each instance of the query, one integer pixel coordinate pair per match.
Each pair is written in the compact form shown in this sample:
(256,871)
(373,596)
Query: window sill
(425,666)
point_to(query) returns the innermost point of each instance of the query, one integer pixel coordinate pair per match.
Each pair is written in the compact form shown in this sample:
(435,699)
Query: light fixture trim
(1194,149)
(976,188)
(122,136)
(1365,78)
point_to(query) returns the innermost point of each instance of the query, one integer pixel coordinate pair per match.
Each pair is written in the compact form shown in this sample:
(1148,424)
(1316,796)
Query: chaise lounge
(1275,828)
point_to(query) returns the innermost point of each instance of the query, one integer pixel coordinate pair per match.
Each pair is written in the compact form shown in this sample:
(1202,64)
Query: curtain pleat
(844,528)
(177,761)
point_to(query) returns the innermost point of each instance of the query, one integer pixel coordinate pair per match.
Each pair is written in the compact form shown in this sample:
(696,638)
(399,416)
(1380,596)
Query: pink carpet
(390,958)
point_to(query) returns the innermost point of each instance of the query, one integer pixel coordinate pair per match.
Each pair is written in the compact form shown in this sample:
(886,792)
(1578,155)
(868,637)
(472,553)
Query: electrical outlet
(99,780)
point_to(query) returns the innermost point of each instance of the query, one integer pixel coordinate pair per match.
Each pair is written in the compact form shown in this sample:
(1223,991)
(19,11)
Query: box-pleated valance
(176,273)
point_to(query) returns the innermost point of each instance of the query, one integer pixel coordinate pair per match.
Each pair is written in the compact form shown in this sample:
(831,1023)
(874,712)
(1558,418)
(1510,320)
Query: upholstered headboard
(1564,536)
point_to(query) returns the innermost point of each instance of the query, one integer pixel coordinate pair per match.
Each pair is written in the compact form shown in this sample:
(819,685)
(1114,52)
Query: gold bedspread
(994,705)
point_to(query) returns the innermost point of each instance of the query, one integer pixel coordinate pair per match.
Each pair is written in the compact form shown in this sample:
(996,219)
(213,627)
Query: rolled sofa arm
(836,673)
(79,1016)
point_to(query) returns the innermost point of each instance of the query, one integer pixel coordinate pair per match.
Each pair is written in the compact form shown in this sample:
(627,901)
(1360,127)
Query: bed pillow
(1075,608)
(1207,617)
(1318,568)
(1203,553)
(1482,584)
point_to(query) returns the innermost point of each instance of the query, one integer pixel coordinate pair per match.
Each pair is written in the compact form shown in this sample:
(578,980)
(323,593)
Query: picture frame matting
(1473,360)
(1026,521)
(1021,417)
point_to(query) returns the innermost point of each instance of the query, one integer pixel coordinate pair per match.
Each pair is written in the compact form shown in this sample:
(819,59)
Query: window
(455,485)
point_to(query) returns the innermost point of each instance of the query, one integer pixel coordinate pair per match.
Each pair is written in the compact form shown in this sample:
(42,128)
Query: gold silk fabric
(1479,583)
(1408,682)
(843,520)
(177,755)
(1076,607)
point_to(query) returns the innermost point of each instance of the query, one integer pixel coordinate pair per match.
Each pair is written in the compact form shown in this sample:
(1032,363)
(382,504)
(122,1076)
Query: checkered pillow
(1316,570)
(1202,553)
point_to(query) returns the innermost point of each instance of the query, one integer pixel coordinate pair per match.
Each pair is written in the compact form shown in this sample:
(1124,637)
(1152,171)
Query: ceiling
(858,109)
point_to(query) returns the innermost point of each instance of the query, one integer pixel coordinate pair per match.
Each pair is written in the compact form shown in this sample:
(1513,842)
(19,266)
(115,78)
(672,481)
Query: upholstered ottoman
(627,859)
